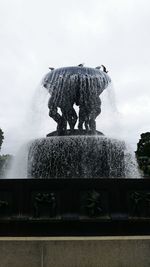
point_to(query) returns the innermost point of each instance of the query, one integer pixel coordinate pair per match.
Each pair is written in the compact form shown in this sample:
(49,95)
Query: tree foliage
(5,161)
(143,153)
(1,137)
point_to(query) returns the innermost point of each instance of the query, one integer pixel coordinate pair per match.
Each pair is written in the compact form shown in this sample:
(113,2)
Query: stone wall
(75,252)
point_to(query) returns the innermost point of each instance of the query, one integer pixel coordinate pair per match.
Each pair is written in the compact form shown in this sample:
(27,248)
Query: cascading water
(72,156)
(61,80)
(34,125)
(80,157)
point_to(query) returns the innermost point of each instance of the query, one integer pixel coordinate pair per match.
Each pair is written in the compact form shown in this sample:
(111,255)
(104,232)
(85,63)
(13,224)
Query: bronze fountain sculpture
(76,153)
(75,85)
(68,195)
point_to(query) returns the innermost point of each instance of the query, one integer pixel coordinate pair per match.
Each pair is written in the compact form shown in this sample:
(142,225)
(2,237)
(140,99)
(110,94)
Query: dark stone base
(76,156)
(77,207)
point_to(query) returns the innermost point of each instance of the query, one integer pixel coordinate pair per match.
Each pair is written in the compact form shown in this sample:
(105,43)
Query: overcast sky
(37,34)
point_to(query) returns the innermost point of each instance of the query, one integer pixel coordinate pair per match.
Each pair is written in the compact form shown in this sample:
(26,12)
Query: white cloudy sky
(35,34)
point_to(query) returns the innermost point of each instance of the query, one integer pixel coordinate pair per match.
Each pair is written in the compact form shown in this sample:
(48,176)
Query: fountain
(83,152)
(79,196)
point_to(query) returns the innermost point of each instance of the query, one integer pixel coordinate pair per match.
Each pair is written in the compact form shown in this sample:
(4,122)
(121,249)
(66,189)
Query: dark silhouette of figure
(68,115)
(69,88)
(88,114)
(89,106)
(104,68)
(81,65)
(64,100)
(98,68)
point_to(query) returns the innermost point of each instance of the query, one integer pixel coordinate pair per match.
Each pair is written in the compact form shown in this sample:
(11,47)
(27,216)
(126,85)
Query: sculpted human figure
(68,115)
(88,114)
(89,106)
(81,87)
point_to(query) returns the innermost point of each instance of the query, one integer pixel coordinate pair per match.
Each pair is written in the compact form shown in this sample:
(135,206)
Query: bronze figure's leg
(70,116)
(83,118)
(86,123)
(61,121)
(95,111)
